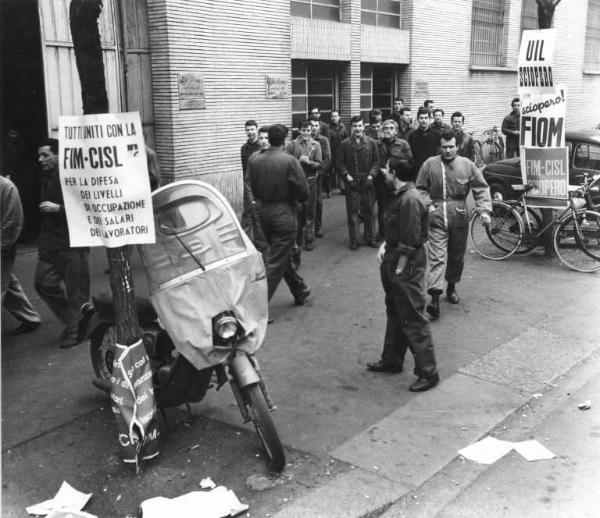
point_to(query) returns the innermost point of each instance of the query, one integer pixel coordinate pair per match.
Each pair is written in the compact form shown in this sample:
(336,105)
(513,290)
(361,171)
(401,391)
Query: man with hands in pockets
(403,262)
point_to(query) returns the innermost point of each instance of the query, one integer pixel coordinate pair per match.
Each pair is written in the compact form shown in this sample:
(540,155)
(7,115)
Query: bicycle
(514,229)
(491,149)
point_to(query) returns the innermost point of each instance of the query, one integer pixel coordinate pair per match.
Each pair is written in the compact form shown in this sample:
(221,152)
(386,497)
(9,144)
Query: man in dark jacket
(465,144)
(511,128)
(389,146)
(423,142)
(277,183)
(403,264)
(358,164)
(62,277)
(337,134)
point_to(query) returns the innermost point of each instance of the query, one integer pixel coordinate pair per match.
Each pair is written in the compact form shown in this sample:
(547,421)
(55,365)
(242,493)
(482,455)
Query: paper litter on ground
(207,483)
(66,513)
(486,451)
(533,450)
(217,503)
(490,449)
(67,498)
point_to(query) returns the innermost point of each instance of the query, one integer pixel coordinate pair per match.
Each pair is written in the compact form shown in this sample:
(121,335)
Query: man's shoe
(381,366)
(308,246)
(25,327)
(68,341)
(433,308)
(452,297)
(353,246)
(423,384)
(301,299)
(319,233)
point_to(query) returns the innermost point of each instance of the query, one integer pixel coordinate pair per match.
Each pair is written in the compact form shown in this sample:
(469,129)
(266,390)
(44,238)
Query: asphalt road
(56,426)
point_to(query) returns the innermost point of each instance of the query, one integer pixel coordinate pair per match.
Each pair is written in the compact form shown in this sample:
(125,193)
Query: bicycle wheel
(577,241)
(502,237)
(530,229)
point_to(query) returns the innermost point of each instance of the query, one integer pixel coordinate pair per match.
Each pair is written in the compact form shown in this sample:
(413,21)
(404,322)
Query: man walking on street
(511,128)
(438,125)
(465,145)
(337,134)
(277,183)
(249,147)
(403,264)
(13,297)
(323,172)
(423,142)
(62,277)
(358,164)
(308,151)
(390,146)
(446,179)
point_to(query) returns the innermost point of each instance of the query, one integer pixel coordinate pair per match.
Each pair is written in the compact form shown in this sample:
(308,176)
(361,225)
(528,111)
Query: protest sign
(536,56)
(104,180)
(543,119)
(547,170)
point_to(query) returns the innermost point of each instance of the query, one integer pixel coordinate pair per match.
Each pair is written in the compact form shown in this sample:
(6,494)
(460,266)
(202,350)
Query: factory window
(321,9)
(376,89)
(592,37)
(384,13)
(488,37)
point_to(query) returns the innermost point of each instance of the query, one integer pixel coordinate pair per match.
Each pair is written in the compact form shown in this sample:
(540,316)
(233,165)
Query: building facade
(198,69)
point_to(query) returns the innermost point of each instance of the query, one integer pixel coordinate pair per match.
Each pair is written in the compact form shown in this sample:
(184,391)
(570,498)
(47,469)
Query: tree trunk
(83,16)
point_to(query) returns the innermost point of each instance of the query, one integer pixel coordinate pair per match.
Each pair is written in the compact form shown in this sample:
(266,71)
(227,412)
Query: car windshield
(587,156)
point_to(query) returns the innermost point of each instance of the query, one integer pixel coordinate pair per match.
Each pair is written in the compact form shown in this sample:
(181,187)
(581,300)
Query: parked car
(584,161)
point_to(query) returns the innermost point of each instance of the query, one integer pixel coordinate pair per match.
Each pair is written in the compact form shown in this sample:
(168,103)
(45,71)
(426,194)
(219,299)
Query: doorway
(23,122)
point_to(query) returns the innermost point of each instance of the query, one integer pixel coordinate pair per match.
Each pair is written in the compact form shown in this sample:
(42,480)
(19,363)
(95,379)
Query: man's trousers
(62,279)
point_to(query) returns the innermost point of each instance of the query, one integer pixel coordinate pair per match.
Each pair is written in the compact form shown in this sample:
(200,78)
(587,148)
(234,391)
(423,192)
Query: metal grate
(487,33)
(592,36)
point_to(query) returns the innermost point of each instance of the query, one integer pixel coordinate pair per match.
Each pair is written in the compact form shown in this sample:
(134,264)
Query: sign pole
(90,66)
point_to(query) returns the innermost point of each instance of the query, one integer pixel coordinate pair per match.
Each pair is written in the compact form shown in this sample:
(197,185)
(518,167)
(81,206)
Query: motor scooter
(207,311)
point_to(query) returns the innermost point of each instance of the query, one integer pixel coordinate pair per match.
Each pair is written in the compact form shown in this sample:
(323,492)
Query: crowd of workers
(405,182)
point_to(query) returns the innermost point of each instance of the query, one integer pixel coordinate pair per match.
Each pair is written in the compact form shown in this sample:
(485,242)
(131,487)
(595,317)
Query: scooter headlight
(226,326)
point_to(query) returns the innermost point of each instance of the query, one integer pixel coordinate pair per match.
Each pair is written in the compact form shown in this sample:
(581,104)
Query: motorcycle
(207,311)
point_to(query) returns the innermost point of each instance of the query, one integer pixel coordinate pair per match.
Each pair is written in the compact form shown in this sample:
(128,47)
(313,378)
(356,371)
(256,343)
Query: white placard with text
(104,180)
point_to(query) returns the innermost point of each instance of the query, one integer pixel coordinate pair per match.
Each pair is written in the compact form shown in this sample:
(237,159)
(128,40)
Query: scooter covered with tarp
(208,309)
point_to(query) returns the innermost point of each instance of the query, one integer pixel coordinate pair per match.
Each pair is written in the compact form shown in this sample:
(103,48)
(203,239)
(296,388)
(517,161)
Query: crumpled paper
(197,504)
(68,499)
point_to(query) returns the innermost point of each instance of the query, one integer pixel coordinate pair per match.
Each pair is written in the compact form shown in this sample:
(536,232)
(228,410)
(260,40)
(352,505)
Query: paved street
(357,442)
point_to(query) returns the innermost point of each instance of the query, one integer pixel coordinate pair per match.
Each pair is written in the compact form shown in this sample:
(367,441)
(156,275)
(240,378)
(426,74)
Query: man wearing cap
(403,262)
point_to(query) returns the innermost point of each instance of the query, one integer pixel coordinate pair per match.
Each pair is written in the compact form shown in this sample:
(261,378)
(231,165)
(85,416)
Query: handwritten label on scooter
(104,180)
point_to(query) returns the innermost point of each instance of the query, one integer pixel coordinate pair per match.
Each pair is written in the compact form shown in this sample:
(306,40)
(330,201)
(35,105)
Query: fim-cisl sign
(104,180)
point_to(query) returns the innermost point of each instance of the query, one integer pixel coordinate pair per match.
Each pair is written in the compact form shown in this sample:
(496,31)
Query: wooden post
(83,15)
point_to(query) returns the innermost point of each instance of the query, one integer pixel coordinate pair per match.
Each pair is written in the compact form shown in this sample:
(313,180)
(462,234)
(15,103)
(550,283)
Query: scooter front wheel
(265,428)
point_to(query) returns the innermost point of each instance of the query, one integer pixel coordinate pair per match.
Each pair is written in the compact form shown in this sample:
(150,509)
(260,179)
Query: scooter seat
(103,303)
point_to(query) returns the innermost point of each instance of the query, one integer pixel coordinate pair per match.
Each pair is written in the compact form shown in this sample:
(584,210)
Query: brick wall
(234,45)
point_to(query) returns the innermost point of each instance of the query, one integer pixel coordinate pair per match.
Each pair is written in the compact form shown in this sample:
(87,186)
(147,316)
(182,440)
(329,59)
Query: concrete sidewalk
(399,454)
